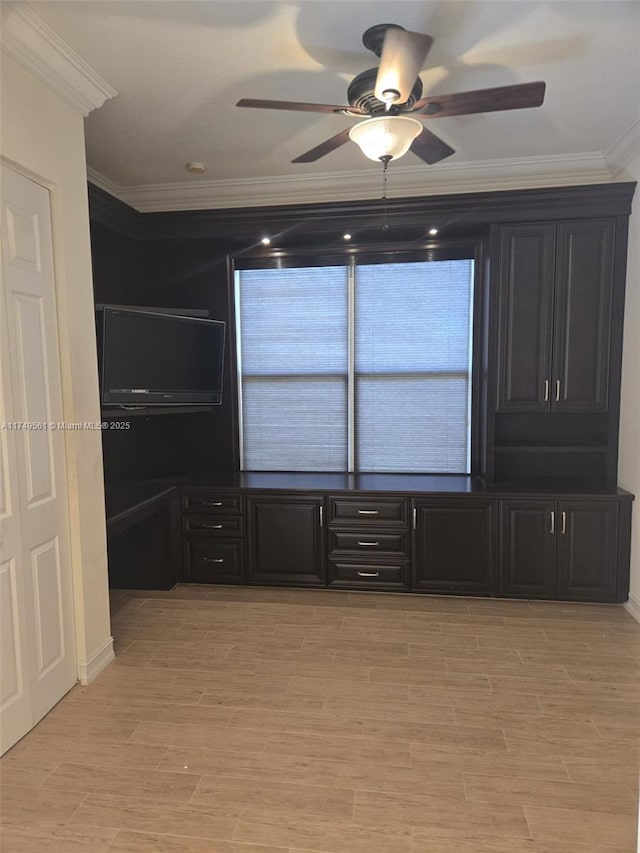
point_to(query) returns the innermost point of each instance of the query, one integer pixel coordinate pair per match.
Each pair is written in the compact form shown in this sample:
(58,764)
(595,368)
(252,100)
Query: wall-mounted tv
(154,359)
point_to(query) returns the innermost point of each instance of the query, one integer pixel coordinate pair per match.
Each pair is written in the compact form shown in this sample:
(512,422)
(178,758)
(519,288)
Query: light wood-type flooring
(240,720)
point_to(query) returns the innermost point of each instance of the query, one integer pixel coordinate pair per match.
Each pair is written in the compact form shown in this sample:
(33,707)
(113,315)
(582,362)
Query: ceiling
(180,67)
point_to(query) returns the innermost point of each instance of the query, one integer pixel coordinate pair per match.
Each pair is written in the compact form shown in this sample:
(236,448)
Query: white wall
(44,138)
(629,464)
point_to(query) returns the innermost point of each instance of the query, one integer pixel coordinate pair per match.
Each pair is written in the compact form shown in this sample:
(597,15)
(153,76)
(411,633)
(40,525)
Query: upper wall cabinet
(555,289)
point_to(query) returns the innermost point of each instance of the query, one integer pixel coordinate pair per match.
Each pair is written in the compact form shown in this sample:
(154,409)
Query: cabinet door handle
(557,390)
(371,544)
(368,574)
(211,503)
(415,518)
(368,512)
(213,560)
(211,526)
(552,528)
(321,516)
(546,390)
(563,529)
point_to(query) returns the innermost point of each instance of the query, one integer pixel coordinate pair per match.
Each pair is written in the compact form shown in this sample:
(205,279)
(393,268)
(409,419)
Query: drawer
(213,562)
(213,525)
(365,511)
(368,542)
(388,575)
(215,502)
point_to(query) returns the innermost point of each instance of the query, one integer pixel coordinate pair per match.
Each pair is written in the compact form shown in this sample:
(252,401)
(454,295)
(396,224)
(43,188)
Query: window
(364,367)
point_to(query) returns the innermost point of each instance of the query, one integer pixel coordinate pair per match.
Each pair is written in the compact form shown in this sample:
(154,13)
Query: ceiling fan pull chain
(385,166)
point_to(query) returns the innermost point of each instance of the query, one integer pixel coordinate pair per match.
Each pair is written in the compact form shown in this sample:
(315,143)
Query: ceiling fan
(388,96)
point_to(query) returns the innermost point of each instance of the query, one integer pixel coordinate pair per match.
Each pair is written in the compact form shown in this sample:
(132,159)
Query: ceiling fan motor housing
(360,94)
(373,38)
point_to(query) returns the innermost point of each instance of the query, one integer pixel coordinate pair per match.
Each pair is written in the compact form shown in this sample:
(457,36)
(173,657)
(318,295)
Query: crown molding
(404,181)
(104,183)
(240,228)
(624,150)
(28,40)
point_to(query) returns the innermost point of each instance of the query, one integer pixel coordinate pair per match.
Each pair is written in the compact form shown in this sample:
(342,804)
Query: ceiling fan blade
(403,55)
(297,106)
(483,100)
(430,147)
(325,147)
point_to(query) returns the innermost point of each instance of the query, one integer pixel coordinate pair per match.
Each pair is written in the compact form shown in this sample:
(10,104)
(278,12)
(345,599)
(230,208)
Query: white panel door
(37,485)
(15,656)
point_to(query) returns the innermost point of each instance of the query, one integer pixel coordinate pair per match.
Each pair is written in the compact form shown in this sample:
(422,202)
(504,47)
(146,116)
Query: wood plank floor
(240,720)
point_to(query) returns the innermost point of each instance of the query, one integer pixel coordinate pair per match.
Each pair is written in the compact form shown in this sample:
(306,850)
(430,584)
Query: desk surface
(128,498)
(125,497)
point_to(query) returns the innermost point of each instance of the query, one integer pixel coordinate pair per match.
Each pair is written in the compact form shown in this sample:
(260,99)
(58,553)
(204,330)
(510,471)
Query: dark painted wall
(170,274)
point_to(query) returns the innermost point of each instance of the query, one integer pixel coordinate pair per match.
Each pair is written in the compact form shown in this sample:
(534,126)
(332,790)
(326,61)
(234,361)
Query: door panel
(34,384)
(584,291)
(286,541)
(455,546)
(528,534)
(588,550)
(48,606)
(526,269)
(15,698)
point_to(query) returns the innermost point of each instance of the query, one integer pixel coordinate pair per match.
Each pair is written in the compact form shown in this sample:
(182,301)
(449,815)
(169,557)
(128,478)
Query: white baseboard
(633,606)
(96,663)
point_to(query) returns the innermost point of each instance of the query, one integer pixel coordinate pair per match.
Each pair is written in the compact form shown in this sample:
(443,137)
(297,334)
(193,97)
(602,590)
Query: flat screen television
(153,359)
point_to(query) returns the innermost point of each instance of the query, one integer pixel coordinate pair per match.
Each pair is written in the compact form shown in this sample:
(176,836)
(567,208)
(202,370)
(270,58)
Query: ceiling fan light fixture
(385,136)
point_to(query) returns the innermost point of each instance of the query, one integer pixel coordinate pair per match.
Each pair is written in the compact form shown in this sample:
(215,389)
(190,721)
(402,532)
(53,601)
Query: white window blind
(413,366)
(293,357)
(407,371)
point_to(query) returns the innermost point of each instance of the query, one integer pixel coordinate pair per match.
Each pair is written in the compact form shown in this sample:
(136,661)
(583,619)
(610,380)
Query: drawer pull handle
(212,526)
(211,503)
(368,512)
(368,574)
(369,544)
(213,560)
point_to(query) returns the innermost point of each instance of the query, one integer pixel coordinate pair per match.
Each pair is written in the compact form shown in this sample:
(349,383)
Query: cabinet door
(525,287)
(528,535)
(587,557)
(286,541)
(584,287)
(454,547)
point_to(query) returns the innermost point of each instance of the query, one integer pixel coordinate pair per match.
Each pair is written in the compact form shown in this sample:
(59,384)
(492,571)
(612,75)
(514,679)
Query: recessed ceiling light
(196,168)
(346,236)
(433,231)
(265,241)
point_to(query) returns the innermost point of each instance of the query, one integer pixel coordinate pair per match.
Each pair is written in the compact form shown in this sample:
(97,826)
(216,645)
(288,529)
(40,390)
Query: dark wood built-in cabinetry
(455,547)
(213,536)
(540,516)
(555,291)
(369,543)
(559,548)
(558,319)
(286,542)
(405,533)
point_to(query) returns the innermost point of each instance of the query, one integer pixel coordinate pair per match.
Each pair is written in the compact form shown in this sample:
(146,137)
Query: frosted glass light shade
(385,136)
